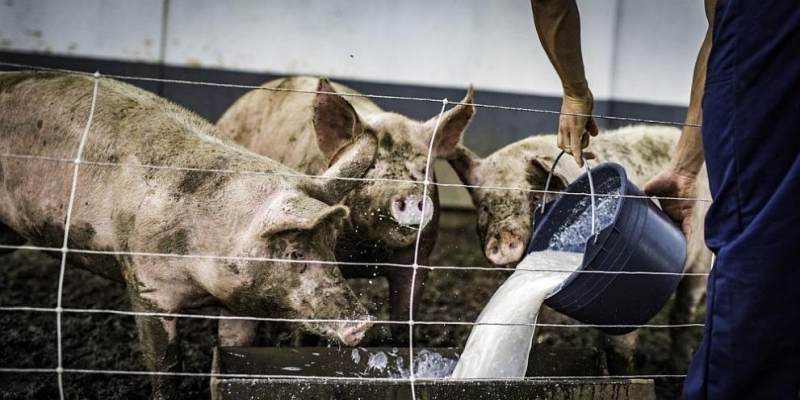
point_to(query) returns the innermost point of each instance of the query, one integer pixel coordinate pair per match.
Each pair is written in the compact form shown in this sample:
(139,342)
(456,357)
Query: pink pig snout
(504,249)
(353,333)
(413,210)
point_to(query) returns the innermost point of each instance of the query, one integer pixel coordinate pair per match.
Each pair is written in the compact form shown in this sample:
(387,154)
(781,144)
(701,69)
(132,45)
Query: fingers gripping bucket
(637,249)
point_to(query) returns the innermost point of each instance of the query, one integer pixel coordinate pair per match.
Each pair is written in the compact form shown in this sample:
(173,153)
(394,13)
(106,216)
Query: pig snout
(504,249)
(412,209)
(351,334)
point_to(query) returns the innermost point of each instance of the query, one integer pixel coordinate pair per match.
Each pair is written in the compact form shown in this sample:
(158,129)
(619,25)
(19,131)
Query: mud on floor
(108,342)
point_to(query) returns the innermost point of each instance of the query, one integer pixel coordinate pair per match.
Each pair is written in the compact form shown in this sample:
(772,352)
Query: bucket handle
(591,190)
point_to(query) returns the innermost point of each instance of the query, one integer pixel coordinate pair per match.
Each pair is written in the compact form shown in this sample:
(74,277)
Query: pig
(505,216)
(264,237)
(305,130)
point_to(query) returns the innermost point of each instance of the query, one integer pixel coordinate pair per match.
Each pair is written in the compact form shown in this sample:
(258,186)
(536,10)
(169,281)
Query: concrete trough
(346,373)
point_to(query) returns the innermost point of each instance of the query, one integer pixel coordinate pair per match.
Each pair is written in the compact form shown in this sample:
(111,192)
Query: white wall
(113,29)
(635,50)
(656,49)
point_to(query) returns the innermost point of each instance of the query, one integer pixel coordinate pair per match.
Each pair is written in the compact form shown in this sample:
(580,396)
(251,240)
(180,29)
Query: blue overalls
(751,137)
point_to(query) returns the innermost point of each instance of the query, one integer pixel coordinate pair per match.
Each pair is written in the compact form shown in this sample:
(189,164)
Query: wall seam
(612,81)
(162,51)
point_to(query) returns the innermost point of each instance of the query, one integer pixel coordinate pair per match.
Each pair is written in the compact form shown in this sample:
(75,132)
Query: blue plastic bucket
(638,250)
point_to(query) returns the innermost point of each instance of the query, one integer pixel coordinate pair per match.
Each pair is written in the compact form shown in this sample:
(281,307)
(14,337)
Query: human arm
(679,179)
(557,24)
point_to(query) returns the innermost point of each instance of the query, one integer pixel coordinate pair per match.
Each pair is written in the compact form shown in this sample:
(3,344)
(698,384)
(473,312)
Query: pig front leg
(236,332)
(158,337)
(400,292)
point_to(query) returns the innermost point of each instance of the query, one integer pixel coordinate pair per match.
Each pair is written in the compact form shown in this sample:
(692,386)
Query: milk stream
(501,351)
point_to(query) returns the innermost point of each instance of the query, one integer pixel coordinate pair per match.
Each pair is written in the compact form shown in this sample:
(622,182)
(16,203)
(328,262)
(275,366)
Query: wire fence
(79,162)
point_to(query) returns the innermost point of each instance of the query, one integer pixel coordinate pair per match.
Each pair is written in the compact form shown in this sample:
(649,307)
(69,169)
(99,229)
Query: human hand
(682,188)
(573,124)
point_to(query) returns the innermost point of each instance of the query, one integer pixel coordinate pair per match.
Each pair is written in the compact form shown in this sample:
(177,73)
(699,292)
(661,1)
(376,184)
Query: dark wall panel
(490,130)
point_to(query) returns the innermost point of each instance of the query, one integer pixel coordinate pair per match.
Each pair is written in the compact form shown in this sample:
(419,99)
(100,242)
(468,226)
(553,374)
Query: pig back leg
(158,338)
(619,351)
(688,296)
(236,332)
(9,238)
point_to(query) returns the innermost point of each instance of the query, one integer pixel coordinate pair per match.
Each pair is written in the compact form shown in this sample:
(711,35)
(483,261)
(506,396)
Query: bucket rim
(601,232)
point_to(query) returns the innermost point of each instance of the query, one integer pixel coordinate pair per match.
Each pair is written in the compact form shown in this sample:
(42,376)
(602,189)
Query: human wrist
(687,168)
(577,90)
(689,156)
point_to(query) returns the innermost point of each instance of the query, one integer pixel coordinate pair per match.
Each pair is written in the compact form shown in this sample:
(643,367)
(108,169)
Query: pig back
(643,150)
(278,121)
(42,119)
(45,115)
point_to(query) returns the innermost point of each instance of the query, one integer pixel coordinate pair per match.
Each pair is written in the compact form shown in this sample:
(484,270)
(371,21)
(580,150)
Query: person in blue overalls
(750,91)
(751,137)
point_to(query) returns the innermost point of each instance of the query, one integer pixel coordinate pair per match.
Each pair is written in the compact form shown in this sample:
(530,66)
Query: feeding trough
(377,373)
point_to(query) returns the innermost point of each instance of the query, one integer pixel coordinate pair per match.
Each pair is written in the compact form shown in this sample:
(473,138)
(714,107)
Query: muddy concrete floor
(108,342)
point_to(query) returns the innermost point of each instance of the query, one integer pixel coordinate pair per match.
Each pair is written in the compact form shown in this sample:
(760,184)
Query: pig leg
(10,238)
(236,332)
(158,337)
(687,299)
(619,351)
(688,296)
(400,292)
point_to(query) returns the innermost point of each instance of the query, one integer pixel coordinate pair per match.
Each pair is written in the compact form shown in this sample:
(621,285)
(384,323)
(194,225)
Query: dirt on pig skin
(108,342)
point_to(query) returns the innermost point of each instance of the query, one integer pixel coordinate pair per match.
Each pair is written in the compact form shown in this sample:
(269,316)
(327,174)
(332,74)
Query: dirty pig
(504,216)
(304,131)
(264,236)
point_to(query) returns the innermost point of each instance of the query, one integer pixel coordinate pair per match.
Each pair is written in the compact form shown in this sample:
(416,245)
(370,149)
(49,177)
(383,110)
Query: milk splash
(427,364)
(501,351)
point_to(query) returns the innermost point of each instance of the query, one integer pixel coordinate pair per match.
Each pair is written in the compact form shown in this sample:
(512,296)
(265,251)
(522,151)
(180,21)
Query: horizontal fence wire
(371,96)
(64,250)
(322,320)
(304,176)
(322,262)
(332,378)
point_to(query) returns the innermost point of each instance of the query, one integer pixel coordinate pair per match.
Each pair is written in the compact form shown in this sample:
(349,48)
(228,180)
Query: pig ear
(452,126)
(335,120)
(466,164)
(351,163)
(539,169)
(306,214)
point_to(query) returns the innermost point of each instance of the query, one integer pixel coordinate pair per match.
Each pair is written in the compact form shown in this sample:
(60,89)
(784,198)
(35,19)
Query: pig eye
(295,256)
(484,209)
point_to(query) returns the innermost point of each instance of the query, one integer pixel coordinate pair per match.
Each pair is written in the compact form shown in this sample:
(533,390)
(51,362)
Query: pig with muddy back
(263,238)
(505,215)
(286,121)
